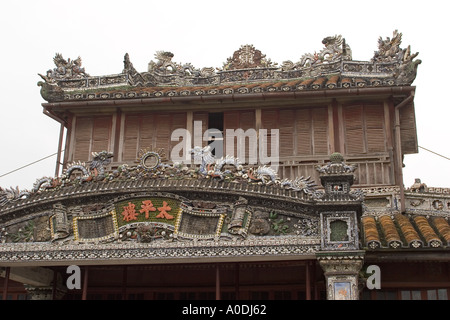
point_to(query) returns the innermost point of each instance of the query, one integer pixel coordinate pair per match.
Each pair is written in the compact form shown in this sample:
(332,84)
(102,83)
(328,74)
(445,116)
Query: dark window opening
(215,130)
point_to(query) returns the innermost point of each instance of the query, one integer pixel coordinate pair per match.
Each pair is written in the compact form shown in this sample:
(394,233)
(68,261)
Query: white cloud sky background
(206,33)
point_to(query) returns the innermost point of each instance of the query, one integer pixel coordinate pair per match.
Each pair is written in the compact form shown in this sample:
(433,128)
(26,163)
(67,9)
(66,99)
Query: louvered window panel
(83,135)
(239,120)
(354,130)
(198,134)
(131,136)
(364,129)
(150,132)
(303,131)
(92,134)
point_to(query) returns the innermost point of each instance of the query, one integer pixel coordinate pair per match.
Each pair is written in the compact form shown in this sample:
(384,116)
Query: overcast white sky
(206,33)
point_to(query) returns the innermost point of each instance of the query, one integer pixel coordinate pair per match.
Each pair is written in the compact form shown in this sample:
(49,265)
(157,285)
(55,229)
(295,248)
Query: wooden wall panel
(364,127)
(146,132)
(354,130)
(376,135)
(303,132)
(408,129)
(269,120)
(242,119)
(82,139)
(287,132)
(92,134)
(320,131)
(131,136)
(150,131)
(198,134)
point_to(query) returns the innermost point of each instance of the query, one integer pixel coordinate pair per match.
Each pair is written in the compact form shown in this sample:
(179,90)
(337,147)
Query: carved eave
(247,71)
(66,246)
(211,188)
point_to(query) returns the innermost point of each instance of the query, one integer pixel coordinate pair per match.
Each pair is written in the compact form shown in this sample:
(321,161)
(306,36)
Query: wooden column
(70,144)
(308,281)
(5,285)
(58,156)
(124,283)
(116,134)
(334,128)
(313,276)
(236,281)
(69,139)
(217,282)
(55,283)
(85,283)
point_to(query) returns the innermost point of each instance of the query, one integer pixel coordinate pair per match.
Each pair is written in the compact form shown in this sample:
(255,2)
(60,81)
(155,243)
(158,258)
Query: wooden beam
(116,134)
(5,285)
(58,156)
(236,281)
(308,281)
(217,282)
(35,276)
(85,283)
(55,282)
(124,283)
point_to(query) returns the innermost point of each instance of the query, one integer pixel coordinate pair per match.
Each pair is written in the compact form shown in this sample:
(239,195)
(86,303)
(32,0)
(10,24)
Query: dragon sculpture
(335,49)
(65,69)
(166,66)
(209,166)
(228,167)
(389,51)
(96,167)
(7,195)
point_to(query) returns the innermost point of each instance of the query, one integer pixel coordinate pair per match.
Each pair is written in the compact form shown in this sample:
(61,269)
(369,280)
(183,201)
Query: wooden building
(141,226)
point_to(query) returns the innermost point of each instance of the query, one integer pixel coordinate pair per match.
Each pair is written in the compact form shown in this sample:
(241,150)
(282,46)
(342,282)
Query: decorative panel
(95,227)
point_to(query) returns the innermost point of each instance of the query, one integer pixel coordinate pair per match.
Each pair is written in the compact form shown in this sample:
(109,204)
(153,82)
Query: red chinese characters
(129,212)
(163,212)
(147,206)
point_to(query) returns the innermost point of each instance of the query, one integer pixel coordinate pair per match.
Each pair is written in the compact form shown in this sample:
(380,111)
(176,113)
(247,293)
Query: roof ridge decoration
(390,66)
(247,57)
(225,169)
(336,177)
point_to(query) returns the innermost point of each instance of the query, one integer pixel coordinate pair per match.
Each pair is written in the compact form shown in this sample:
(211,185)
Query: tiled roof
(247,71)
(405,231)
(316,83)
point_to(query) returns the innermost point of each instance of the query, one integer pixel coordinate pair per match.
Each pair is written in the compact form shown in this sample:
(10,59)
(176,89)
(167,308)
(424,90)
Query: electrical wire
(440,155)
(29,164)
(54,154)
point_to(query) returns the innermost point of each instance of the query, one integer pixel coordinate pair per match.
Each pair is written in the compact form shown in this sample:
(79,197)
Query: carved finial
(336,157)
(247,57)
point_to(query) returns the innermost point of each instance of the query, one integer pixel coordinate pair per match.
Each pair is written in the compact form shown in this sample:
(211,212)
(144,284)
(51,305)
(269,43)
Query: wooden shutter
(375,133)
(83,135)
(162,127)
(101,133)
(231,121)
(287,132)
(131,135)
(146,132)
(178,122)
(408,129)
(239,120)
(320,131)
(92,134)
(354,130)
(248,121)
(304,128)
(198,135)
(269,120)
